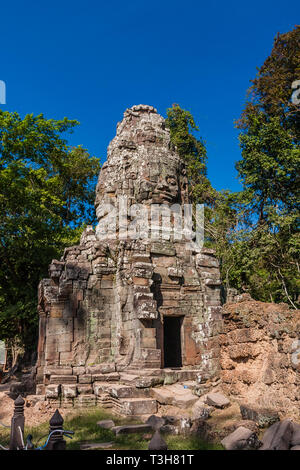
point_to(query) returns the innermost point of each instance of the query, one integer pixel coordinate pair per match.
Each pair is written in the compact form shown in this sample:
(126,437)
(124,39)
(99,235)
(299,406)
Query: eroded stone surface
(260,356)
(218,400)
(105,303)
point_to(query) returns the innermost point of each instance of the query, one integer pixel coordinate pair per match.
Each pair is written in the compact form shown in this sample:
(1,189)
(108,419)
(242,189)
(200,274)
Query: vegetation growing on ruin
(84,424)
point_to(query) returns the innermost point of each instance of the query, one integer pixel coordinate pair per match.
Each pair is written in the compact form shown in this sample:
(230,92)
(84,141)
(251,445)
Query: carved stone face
(163,190)
(141,164)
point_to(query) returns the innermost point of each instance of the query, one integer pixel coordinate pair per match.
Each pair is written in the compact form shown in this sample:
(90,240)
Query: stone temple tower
(118,303)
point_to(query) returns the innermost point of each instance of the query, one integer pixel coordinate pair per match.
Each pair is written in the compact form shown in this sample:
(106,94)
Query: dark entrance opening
(172,342)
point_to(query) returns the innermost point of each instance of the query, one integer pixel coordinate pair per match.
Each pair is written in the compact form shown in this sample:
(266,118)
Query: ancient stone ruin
(132,318)
(122,309)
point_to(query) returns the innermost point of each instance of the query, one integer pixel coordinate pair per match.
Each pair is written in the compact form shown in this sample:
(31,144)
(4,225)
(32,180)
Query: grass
(84,423)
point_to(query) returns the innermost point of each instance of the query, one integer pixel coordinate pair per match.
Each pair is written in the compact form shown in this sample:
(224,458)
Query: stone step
(176,395)
(146,372)
(180,375)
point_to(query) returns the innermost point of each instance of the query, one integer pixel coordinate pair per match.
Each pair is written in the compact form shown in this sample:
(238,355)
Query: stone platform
(125,393)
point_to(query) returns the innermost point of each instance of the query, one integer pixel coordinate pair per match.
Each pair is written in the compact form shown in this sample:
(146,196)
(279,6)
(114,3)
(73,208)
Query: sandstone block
(175,395)
(278,436)
(132,429)
(69,391)
(241,439)
(138,406)
(262,416)
(217,400)
(296,435)
(85,389)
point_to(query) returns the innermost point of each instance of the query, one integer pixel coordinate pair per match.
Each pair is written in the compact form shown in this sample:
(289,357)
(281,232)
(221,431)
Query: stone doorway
(172,341)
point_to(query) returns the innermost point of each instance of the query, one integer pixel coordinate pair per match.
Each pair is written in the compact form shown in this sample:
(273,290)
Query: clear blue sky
(90,60)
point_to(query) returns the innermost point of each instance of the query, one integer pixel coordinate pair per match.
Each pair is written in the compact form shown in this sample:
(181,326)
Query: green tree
(271,89)
(269,171)
(46,195)
(192,150)
(221,207)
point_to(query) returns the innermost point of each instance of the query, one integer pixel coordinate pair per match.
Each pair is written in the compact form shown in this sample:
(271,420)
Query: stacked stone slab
(103,307)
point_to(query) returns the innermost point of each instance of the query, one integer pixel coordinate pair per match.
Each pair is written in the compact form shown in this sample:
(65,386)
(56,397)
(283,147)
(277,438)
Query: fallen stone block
(295,448)
(132,429)
(278,436)
(262,416)
(95,446)
(106,424)
(296,435)
(246,423)
(138,406)
(201,411)
(217,400)
(162,395)
(175,395)
(122,391)
(241,439)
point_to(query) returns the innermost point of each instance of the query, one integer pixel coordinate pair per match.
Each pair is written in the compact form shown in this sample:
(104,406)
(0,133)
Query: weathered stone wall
(103,308)
(260,355)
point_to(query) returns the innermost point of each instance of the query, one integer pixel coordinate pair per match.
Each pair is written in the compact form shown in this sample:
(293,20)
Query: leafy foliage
(271,89)
(269,171)
(182,125)
(46,195)
(255,232)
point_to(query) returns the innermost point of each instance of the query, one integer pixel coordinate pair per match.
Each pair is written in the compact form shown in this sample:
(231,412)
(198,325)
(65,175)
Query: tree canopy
(46,195)
(255,232)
